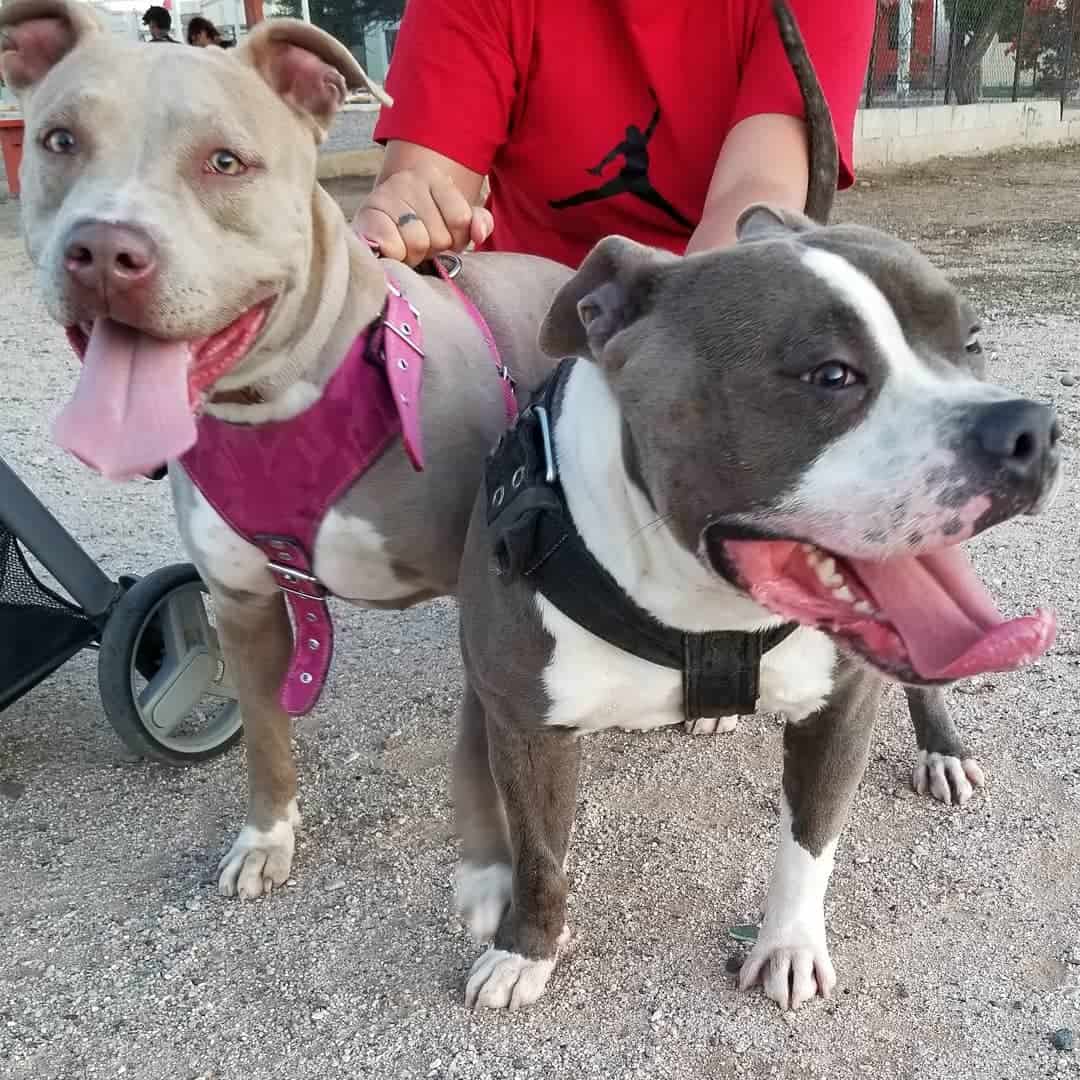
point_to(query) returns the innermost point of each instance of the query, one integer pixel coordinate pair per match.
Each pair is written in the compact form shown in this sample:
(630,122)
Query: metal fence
(962,51)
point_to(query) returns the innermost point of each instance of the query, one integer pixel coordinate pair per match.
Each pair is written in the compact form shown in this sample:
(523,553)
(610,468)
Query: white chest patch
(222,555)
(352,562)
(594,686)
(350,557)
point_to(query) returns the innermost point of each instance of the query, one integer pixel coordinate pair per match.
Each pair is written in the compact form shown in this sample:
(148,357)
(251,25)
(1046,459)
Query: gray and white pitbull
(793,431)
(168,193)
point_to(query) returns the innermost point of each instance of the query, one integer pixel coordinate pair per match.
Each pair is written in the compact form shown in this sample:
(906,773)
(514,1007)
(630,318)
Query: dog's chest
(351,558)
(593,686)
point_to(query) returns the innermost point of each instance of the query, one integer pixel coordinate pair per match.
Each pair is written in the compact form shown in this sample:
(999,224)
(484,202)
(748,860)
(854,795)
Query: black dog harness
(535,539)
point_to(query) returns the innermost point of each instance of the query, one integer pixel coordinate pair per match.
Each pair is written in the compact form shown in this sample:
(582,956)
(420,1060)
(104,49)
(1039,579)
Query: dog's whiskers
(656,523)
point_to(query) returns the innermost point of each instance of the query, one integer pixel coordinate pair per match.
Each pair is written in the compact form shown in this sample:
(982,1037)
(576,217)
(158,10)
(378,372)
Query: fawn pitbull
(745,486)
(184,242)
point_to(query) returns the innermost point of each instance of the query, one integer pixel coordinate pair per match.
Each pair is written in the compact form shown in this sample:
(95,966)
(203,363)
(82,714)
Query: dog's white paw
(259,859)
(711,725)
(481,894)
(506,980)
(793,965)
(948,779)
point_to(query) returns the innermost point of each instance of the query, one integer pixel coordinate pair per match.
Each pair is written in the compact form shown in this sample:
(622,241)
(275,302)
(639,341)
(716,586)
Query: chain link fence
(962,51)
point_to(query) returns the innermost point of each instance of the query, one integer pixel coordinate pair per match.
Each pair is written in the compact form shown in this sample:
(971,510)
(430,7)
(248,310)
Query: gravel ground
(351,131)
(956,934)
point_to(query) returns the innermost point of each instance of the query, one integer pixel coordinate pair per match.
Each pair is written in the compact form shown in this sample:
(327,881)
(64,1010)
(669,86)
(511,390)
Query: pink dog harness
(274,483)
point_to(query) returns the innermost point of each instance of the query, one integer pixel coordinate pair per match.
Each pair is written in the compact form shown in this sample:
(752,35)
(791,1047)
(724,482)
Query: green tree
(973,26)
(347,20)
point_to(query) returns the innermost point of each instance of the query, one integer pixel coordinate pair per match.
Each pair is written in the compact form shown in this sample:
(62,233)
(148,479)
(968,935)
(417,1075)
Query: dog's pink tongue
(949,624)
(130,412)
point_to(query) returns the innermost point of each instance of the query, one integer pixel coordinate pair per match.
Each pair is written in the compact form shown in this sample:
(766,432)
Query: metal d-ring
(549,455)
(455,263)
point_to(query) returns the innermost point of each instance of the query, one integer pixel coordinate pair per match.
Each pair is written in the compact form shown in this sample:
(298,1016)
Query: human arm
(454,80)
(764,157)
(440,192)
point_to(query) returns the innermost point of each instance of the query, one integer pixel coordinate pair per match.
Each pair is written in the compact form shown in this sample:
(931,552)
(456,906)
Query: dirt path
(956,934)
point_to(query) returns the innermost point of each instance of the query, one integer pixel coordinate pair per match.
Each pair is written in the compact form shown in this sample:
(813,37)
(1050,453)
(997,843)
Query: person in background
(202,32)
(159,22)
(657,121)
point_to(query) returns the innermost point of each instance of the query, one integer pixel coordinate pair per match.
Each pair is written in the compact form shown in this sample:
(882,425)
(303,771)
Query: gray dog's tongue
(131,411)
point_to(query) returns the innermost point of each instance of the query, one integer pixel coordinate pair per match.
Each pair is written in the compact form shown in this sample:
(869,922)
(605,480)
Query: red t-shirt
(593,117)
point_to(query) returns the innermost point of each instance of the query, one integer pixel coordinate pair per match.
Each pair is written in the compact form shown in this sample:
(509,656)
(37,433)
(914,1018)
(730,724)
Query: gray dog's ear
(607,293)
(35,35)
(761,221)
(308,68)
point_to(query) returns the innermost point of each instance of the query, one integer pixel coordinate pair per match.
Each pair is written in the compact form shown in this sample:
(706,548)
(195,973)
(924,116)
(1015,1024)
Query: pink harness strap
(274,483)
(509,400)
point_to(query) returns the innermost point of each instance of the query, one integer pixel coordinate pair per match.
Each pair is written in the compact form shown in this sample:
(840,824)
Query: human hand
(415,214)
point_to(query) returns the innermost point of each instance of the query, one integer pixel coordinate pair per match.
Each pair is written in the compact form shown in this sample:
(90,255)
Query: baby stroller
(161,675)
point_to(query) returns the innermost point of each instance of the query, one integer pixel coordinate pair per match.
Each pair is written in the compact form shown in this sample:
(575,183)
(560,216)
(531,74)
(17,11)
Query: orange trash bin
(11,141)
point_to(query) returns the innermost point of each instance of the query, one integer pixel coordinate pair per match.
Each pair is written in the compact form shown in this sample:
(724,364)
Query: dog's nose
(110,257)
(1018,437)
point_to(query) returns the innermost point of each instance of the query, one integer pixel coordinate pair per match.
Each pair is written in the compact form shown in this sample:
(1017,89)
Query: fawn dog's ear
(307,68)
(35,35)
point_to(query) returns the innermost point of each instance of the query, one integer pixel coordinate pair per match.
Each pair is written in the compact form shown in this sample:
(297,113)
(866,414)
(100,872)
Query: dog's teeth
(826,571)
(845,594)
(863,608)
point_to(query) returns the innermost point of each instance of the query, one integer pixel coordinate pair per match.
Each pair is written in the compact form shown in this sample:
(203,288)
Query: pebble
(1068,380)
(1062,1039)
(734,963)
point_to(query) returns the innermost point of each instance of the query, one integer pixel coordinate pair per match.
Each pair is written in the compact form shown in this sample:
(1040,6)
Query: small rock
(902,992)
(335,886)
(12,789)
(1068,380)
(734,963)
(1062,1039)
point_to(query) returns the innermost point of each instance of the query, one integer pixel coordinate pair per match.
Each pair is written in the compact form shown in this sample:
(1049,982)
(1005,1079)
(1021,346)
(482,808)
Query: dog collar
(535,540)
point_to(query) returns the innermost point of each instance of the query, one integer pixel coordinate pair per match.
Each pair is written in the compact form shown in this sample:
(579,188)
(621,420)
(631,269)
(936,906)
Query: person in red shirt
(660,120)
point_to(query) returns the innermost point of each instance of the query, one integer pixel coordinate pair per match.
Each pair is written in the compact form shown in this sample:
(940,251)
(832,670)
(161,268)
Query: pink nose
(110,258)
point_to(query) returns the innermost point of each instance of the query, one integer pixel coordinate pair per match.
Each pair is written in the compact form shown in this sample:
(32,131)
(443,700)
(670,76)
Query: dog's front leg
(944,768)
(536,775)
(824,760)
(257,642)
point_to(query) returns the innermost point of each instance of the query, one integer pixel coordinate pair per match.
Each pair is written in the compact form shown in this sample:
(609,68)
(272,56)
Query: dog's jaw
(621,527)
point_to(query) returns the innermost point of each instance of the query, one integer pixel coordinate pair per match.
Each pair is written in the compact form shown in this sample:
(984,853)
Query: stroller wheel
(161,672)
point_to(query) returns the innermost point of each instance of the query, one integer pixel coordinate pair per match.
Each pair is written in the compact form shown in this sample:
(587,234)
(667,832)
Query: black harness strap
(535,539)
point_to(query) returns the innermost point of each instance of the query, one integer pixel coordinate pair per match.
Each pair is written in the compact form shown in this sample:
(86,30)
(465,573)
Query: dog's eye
(973,347)
(833,375)
(59,141)
(226,163)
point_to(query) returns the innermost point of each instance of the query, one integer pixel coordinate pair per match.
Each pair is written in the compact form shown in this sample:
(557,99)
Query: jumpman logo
(632,178)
